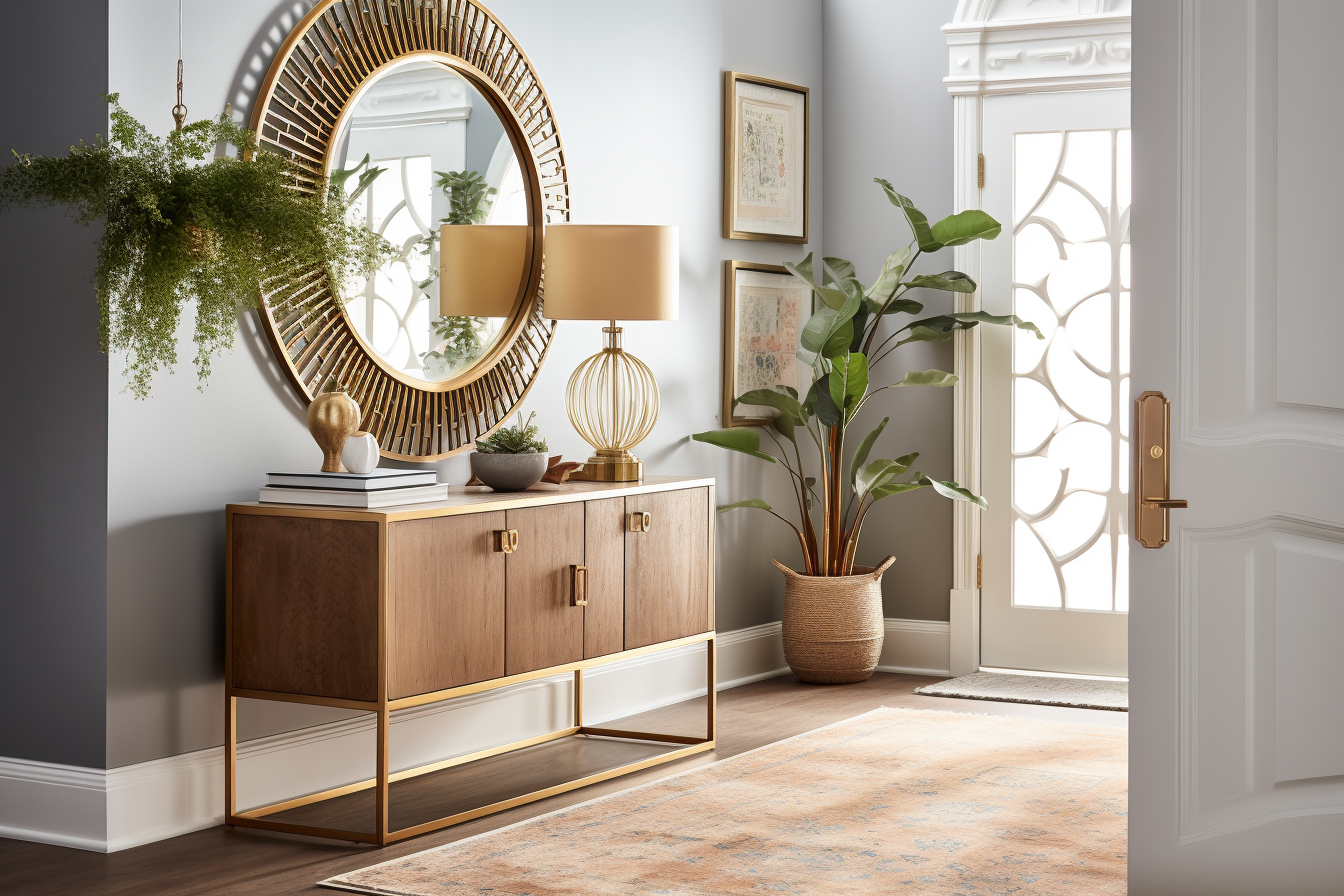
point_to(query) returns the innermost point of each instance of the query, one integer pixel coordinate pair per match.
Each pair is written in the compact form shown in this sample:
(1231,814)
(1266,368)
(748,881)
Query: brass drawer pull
(640,521)
(506,541)
(578,586)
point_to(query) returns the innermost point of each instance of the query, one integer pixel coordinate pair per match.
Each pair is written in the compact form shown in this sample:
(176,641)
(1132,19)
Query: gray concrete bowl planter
(509,472)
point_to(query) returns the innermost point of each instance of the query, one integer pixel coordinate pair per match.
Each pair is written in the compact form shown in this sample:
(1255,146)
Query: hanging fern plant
(180,226)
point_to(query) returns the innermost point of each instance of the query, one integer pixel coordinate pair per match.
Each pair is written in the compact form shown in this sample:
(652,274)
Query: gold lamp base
(612,401)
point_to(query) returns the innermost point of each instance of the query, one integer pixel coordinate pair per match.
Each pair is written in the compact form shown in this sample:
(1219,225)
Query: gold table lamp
(611,273)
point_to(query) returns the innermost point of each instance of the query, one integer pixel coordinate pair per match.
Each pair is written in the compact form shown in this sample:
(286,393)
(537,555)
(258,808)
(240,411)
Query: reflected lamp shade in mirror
(606,272)
(481,268)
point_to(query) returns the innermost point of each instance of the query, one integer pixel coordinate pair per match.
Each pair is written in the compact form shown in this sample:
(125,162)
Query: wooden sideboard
(379,610)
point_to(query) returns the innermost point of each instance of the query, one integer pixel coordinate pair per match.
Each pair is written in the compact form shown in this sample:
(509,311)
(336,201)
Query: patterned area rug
(893,801)
(1088,693)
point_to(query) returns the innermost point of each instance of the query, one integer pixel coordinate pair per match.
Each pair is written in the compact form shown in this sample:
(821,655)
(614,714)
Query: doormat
(1086,693)
(896,801)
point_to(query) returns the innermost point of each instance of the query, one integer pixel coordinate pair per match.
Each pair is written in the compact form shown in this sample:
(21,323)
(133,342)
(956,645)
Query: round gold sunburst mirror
(432,116)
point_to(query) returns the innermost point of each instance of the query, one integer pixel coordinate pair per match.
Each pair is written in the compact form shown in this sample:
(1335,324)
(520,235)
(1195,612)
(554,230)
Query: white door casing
(1002,47)
(1055,411)
(1236,687)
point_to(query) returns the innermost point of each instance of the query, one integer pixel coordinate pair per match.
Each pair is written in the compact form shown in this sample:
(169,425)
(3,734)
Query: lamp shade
(611,272)
(480,269)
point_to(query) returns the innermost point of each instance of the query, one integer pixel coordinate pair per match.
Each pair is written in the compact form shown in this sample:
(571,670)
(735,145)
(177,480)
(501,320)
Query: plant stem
(835,524)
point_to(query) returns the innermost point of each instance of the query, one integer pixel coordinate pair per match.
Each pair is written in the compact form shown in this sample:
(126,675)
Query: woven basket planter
(833,624)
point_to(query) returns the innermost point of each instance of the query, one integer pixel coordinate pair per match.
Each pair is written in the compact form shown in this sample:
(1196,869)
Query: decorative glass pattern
(1070,431)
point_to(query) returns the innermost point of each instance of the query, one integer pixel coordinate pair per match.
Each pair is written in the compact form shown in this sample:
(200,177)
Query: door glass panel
(1070,392)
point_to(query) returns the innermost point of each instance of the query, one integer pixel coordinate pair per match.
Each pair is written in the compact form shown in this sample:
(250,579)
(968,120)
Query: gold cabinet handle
(578,586)
(640,521)
(505,541)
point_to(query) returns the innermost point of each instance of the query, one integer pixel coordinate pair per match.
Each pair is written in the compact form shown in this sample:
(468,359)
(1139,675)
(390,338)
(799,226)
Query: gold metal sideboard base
(381,783)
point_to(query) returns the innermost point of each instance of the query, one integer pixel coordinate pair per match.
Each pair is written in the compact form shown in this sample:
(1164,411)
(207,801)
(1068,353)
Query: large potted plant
(832,608)
(181,223)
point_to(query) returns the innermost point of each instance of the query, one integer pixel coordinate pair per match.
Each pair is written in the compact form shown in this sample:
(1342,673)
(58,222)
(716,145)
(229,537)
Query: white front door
(1055,461)
(1237,683)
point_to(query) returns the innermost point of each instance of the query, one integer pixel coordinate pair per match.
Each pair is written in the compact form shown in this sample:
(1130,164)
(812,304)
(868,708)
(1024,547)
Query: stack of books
(381,488)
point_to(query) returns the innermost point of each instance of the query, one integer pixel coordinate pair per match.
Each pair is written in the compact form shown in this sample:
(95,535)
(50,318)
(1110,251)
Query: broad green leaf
(908,306)
(839,269)
(784,424)
(827,412)
(861,453)
(919,224)
(802,270)
(810,401)
(818,329)
(894,488)
(851,384)
(783,402)
(793,393)
(961,228)
(738,438)
(860,321)
(890,275)
(949,489)
(839,341)
(879,472)
(832,296)
(937,378)
(1001,320)
(949,281)
(750,502)
(807,358)
(928,334)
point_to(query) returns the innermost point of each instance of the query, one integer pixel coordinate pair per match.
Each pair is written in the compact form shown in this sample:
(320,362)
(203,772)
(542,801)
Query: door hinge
(979,571)
(980,171)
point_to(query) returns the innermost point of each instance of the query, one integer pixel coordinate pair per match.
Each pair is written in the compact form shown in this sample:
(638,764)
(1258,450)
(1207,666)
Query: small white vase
(360,454)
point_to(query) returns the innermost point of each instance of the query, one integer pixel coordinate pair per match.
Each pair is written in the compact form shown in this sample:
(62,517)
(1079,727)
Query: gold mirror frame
(320,71)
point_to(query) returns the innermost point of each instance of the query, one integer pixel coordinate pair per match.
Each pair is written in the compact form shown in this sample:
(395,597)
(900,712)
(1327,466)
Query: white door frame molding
(994,50)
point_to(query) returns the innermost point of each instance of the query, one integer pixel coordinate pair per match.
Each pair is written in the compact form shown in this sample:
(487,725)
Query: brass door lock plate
(1152,474)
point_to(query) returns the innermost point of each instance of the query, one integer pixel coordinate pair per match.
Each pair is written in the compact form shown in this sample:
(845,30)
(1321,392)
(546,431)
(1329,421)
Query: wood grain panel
(541,628)
(604,617)
(667,568)
(446,607)
(305,606)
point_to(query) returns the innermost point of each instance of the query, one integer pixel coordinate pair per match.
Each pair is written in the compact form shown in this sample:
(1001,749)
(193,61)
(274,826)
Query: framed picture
(764,307)
(765,159)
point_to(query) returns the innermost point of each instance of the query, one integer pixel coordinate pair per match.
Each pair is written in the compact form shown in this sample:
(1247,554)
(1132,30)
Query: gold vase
(333,417)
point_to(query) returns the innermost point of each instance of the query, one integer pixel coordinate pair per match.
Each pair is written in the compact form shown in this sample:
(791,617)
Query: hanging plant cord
(180,110)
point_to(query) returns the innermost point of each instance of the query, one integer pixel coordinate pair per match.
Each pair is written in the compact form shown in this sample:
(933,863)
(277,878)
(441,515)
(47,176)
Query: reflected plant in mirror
(446,158)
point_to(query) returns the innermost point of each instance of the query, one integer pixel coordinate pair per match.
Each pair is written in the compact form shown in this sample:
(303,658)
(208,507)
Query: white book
(366,500)
(358,482)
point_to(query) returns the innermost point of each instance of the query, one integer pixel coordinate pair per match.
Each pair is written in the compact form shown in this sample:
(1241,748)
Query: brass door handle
(578,586)
(505,541)
(1152,461)
(640,521)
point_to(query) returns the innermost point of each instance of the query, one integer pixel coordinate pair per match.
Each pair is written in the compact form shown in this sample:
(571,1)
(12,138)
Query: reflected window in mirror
(443,156)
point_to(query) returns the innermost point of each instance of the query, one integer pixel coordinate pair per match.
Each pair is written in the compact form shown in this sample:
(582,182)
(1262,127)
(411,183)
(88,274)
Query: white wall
(889,115)
(637,92)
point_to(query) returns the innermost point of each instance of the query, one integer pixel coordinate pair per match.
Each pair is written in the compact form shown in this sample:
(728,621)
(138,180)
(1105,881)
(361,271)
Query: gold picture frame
(764,309)
(773,203)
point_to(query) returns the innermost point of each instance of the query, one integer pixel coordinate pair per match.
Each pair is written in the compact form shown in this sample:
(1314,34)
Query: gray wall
(637,92)
(889,115)
(53,552)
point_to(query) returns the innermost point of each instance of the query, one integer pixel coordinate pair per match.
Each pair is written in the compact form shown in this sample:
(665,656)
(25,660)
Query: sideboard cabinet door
(667,568)
(543,627)
(604,617)
(446,606)
(305,606)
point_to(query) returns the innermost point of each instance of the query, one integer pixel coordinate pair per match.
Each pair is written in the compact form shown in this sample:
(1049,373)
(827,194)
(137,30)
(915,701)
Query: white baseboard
(915,647)
(114,809)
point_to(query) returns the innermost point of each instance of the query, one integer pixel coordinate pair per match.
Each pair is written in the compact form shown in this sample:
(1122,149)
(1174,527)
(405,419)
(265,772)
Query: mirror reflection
(425,149)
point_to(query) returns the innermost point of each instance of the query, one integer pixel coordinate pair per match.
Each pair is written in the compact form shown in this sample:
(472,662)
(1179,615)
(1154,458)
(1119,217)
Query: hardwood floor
(223,861)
